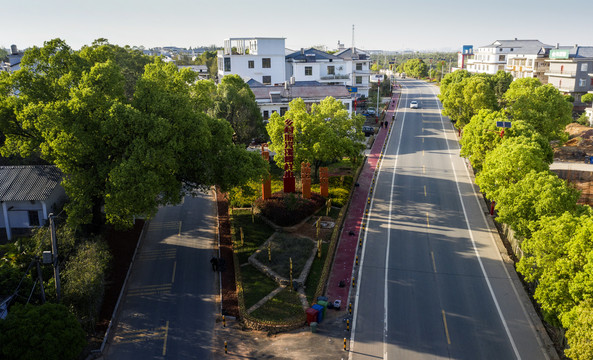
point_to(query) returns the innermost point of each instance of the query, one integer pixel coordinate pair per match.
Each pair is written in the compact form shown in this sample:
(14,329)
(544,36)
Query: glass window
(308,70)
(266,114)
(359,79)
(227,64)
(266,63)
(331,70)
(359,66)
(266,80)
(584,66)
(251,64)
(582,82)
(283,111)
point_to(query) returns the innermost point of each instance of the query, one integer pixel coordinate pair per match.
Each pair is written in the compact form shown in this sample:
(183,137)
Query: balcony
(363,72)
(567,74)
(335,77)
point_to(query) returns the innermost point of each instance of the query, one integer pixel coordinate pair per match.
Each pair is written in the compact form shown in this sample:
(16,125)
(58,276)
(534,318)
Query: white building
(491,58)
(358,67)
(257,58)
(14,60)
(28,195)
(201,70)
(316,65)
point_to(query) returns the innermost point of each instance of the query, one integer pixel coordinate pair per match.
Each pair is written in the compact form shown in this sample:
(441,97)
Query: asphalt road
(170,304)
(432,283)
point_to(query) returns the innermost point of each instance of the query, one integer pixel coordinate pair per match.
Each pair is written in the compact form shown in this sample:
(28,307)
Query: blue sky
(379,24)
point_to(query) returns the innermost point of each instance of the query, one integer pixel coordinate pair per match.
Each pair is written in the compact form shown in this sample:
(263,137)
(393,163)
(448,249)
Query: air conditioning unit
(340,68)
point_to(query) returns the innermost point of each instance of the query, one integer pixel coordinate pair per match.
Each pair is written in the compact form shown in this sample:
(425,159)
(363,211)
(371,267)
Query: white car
(414,105)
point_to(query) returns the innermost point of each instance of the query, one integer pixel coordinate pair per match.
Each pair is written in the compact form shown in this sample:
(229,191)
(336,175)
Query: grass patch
(284,306)
(256,285)
(254,234)
(315,273)
(284,247)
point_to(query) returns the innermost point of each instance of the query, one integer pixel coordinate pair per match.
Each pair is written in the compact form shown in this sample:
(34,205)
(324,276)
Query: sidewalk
(348,243)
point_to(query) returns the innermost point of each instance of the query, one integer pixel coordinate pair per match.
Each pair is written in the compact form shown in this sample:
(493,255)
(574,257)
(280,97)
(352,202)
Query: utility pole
(54,250)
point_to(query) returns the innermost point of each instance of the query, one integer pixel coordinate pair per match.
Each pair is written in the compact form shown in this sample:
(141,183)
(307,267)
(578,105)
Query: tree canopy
(324,133)
(46,331)
(128,151)
(466,98)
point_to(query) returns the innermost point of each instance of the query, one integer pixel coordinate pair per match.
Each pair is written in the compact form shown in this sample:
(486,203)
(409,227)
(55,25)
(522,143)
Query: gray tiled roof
(319,92)
(319,55)
(521,46)
(24,183)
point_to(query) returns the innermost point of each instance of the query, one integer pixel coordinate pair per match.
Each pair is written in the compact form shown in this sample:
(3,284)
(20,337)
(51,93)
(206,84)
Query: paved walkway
(347,246)
(561,165)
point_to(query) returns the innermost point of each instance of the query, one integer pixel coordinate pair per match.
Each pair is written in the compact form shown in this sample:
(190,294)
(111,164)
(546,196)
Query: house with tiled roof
(488,59)
(569,72)
(272,99)
(28,195)
(358,68)
(316,65)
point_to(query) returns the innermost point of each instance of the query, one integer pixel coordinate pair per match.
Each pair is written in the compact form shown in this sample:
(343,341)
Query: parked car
(371,111)
(414,104)
(368,130)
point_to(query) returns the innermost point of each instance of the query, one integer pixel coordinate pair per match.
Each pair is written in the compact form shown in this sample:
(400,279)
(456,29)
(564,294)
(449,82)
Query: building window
(308,70)
(359,66)
(283,111)
(331,70)
(359,79)
(266,80)
(266,114)
(251,64)
(33,218)
(227,64)
(584,67)
(500,57)
(582,82)
(266,63)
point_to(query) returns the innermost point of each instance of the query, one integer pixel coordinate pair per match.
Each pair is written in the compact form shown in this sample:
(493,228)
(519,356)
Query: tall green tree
(124,155)
(416,68)
(501,81)
(538,194)
(543,106)
(456,76)
(580,332)
(234,101)
(323,134)
(508,163)
(466,98)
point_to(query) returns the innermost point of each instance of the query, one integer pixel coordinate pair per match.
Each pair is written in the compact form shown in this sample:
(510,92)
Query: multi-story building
(258,58)
(358,66)
(466,53)
(491,58)
(316,65)
(529,63)
(569,71)
(14,60)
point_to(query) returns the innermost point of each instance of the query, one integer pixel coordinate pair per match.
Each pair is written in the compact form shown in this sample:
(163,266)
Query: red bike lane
(348,245)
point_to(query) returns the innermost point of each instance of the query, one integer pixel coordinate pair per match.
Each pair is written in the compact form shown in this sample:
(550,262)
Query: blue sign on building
(352,89)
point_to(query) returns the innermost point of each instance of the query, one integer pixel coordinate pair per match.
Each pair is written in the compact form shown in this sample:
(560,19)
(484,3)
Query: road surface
(169,308)
(432,283)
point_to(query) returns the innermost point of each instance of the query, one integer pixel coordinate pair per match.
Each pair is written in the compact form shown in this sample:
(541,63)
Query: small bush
(289,209)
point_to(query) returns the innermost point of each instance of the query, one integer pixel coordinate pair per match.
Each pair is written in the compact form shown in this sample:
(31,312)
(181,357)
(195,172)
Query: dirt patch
(579,146)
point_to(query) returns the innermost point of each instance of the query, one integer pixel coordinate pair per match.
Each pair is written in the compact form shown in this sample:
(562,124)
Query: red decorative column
(306,179)
(289,181)
(266,190)
(324,181)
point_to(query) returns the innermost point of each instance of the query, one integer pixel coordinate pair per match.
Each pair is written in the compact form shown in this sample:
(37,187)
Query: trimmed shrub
(289,209)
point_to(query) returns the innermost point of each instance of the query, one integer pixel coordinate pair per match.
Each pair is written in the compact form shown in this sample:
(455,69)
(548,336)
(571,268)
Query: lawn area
(285,306)
(256,285)
(315,273)
(283,248)
(254,233)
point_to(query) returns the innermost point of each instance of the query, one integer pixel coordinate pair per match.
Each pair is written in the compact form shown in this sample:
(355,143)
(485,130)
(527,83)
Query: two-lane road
(432,283)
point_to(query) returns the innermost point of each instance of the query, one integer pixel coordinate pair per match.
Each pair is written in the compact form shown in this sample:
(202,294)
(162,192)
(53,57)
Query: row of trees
(513,170)
(128,131)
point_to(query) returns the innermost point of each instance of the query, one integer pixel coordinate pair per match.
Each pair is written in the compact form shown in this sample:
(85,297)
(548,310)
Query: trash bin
(324,304)
(319,308)
(314,327)
(322,298)
(590,159)
(312,315)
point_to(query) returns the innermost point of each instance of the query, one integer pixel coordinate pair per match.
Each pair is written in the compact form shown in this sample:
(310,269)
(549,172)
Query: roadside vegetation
(512,169)
(129,133)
